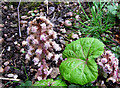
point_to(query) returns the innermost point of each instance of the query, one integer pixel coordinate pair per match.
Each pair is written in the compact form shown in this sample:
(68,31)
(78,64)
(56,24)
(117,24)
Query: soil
(13,55)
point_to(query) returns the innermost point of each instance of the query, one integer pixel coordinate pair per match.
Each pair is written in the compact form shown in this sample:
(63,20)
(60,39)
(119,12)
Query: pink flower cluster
(110,65)
(41,45)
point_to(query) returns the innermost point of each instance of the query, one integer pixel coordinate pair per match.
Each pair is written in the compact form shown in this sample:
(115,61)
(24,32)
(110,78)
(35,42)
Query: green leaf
(50,82)
(80,67)
(28,83)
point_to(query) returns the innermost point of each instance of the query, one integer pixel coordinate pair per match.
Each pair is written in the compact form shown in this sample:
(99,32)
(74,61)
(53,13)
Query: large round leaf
(80,67)
(50,82)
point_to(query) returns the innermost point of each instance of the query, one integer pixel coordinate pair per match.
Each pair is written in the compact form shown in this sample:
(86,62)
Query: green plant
(80,66)
(97,22)
(50,82)
(26,84)
(114,11)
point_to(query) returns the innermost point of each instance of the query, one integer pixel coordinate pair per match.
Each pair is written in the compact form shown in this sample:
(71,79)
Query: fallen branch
(19,18)
(10,79)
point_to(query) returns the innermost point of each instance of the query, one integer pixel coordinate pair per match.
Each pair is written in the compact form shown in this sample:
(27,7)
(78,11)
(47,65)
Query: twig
(19,18)
(11,79)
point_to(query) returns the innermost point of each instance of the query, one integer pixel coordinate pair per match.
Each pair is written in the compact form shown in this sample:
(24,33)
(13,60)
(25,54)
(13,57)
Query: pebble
(67,23)
(15,14)
(23,17)
(11,6)
(36,11)
(23,22)
(63,30)
(0,29)
(5,7)
(1,25)
(15,42)
(15,76)
(77,17)
(9,48)
(24,43)
(55,72)
(10,75)
(30,12)
(1,40)
(7,68)
(22,50)
(9,39)
(62,41)
(8,17)
(69,14)
(1,70)
(74,36)
(5,35)
(6,63)
(51,10)
(13,25)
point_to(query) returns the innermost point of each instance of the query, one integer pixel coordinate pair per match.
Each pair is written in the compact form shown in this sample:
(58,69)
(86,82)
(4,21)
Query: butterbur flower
(35,41)
(43,37)
(56,46)
(39,78)
(30,52)
(48,57)
(43,25)
(75,36)
(35,60)
(57,56)
(54,35)
(45,71)
(38,52)
(34,29)
(46,45)
(27,57)
(104,60)
(110,65)
(112,79)
(40,42)
(50,32)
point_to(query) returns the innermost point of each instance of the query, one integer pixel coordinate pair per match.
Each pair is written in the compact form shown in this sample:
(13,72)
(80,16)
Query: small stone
(15,42)
(10,75)
(15,14)
(63,30)
(51,10)
(74,36)
(46,2)
(0,29)
(55,72)
(1,25)
(9,48)
(23,22)
(24,43)
(36,11)
(1,70)
(5,7)
(1,40)
(7,68)
(67,23)
(23,17)
(22,50)
(13,25)
(62,41)
(77,17)
(11,6)
(6,63)
(9,39)
(15,76)
(30,12)
(16,33)
(8,17)
(69,14)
